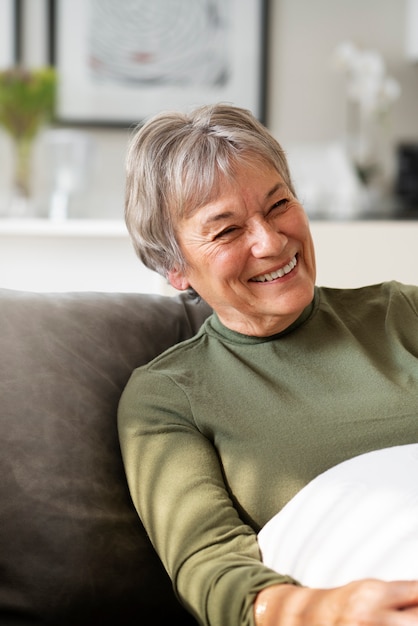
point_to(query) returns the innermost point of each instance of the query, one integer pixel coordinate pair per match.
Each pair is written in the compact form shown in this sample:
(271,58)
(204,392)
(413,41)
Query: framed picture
(8,33)
(119,62)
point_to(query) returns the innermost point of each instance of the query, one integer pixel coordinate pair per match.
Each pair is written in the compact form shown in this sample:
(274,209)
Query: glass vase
(20,202)
(23,157)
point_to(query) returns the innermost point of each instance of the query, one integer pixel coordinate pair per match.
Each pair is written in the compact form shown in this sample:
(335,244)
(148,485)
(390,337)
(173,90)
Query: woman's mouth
(282,271)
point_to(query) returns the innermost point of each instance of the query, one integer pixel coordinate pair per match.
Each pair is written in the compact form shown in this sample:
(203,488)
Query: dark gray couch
(72,549)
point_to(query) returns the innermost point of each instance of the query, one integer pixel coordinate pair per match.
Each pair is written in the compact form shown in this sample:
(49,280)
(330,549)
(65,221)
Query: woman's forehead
(208,190)
(250,183)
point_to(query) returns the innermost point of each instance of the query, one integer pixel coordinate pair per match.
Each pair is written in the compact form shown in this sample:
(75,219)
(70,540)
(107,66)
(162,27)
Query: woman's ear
(177,279)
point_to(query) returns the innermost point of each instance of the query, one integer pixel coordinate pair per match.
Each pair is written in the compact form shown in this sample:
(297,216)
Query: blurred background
(335,81)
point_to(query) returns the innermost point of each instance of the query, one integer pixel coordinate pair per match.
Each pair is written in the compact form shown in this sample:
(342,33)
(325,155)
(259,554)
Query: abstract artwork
(119,62)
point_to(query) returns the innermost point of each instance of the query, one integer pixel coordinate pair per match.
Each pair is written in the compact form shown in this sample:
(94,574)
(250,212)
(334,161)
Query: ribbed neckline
(213,326)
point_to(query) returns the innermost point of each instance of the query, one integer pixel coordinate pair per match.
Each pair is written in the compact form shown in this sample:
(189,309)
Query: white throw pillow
(357,520)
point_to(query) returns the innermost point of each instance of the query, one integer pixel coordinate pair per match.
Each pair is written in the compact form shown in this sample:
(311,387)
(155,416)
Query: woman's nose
(267,240)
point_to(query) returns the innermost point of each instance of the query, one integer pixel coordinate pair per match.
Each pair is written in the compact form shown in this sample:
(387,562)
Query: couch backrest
(72,549)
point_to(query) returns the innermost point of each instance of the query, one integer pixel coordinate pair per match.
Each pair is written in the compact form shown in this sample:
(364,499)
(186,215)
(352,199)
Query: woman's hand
(362,603)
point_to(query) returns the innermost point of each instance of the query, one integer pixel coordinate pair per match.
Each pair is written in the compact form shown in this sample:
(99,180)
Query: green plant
(27,101)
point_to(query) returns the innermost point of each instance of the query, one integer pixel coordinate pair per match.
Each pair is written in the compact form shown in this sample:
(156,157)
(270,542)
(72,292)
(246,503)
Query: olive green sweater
(219,432)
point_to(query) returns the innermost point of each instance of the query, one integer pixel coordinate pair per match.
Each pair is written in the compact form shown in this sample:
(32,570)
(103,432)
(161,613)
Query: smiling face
(249,253)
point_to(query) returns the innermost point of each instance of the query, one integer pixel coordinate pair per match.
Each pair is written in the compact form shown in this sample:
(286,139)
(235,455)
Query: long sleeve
(178,487)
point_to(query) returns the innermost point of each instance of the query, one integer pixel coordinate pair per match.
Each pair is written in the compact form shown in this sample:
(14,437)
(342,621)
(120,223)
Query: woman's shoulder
(180,355)
(383,292)
(390,298)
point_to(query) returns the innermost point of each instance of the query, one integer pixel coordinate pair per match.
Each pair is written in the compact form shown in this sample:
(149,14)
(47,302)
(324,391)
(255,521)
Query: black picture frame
(88,96)
(10,43)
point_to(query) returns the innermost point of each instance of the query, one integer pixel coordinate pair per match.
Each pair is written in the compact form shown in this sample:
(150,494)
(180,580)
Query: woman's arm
(178,488)
(360,603)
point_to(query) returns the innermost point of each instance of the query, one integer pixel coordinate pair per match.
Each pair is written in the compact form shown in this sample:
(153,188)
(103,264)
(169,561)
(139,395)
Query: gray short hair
(176,163)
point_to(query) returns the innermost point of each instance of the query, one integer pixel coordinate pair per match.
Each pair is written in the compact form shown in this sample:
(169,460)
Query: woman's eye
(225,232)
(279,204)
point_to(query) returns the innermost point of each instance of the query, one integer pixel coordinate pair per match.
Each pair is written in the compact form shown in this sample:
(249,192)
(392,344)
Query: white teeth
(278,273)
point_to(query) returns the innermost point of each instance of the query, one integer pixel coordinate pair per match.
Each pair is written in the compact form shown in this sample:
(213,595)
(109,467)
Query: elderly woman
(283,381)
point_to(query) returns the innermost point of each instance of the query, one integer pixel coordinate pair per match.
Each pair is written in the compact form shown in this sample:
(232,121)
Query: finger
(403,594)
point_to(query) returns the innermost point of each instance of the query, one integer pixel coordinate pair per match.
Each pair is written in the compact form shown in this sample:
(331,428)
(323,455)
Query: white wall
(352,254)
(98,256)
(305,104)
(77,255)
(306,95)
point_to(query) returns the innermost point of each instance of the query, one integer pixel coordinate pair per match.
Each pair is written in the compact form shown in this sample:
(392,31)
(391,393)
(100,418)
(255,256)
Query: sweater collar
(214,326)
